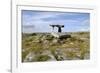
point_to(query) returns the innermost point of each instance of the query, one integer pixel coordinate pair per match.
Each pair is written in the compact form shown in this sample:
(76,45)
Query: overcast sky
(40,21)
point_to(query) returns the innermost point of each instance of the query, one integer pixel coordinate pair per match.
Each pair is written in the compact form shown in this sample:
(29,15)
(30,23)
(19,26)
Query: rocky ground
(38,47)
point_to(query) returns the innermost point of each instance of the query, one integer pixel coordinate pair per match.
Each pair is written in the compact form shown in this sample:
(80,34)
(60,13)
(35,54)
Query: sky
(40,21)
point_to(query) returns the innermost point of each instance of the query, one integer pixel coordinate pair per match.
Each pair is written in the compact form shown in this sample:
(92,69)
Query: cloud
(38,21)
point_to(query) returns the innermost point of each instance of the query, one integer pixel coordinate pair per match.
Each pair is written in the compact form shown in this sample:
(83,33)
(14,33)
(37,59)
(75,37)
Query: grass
(41,58)
(39,42)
